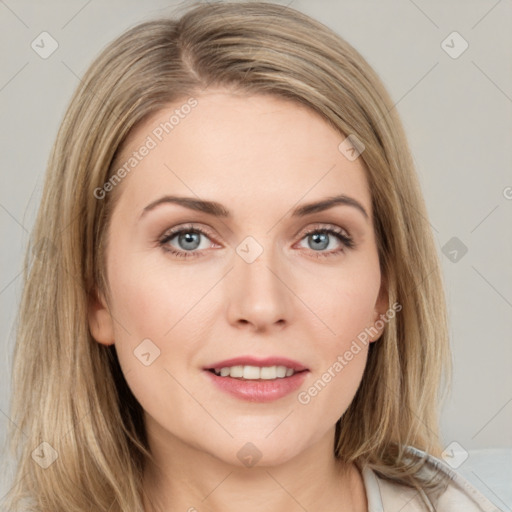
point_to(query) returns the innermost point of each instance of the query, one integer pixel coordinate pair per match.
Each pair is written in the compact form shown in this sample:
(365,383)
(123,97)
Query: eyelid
(342,234)
(319,226)
(188,226)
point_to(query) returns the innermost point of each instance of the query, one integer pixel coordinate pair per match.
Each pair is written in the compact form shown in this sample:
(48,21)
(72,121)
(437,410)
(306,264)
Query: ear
(100,319)
(381,306)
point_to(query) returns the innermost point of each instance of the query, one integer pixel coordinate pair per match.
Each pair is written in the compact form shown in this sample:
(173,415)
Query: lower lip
(259,390)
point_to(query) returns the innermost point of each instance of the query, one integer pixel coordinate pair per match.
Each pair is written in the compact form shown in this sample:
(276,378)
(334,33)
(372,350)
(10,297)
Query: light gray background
(457,114)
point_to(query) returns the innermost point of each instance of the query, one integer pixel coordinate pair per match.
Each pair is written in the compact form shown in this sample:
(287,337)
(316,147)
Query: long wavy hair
(69,390)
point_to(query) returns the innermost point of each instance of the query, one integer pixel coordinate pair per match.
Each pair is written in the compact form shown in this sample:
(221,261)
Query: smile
(256,379)
(248,372)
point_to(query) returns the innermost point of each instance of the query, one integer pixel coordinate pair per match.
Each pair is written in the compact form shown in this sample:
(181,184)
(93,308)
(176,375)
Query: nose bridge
(256,291)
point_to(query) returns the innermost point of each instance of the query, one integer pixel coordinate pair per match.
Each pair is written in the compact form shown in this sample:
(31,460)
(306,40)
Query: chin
(259,453)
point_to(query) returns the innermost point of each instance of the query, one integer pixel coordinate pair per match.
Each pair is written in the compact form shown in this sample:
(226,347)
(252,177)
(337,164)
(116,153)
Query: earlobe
(100,320)
(379,313)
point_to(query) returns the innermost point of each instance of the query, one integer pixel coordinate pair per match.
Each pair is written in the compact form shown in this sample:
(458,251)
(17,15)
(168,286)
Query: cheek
(152,300)
(158,317)
(344,307)
(341,359)
(345,299)
(152,334)
(329,392)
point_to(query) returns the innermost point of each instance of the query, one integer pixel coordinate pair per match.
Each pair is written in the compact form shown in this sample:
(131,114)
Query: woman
(234,299)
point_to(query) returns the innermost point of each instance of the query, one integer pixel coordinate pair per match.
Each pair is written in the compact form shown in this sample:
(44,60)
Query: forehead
(254,151)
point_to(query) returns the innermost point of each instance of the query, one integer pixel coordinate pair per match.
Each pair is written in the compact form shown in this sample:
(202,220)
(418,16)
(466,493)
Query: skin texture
(260,156)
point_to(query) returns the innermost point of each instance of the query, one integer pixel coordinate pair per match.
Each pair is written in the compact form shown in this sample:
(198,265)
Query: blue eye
(320,241)
(188,239)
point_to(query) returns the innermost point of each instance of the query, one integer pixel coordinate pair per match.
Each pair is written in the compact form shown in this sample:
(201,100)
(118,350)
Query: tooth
(281,371)
(254,372)
(269,372)
(236,371)
(250,372)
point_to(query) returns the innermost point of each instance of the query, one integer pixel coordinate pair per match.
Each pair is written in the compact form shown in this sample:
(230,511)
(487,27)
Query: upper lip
(254,361)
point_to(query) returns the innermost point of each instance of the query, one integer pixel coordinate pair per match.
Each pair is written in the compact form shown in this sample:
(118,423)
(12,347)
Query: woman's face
(262,278)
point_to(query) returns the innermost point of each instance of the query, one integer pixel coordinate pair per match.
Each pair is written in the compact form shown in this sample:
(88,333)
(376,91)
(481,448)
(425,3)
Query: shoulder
(459,495)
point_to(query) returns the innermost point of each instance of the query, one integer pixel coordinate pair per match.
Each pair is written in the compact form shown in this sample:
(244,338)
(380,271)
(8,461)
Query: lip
(254,361)
(258,390)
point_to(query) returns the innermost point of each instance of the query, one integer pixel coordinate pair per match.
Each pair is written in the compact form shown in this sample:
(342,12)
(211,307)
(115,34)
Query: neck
(183,478)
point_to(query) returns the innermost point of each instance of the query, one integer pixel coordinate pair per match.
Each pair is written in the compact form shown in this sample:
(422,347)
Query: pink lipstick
(257,380)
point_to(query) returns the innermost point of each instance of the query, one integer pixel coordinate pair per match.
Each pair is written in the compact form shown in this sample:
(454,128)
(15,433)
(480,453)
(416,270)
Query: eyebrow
(218,210)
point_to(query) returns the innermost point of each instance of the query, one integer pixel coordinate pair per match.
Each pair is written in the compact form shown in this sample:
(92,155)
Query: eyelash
(347,241)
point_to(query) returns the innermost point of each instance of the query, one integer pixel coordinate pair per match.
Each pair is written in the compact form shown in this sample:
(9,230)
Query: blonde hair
(69,390)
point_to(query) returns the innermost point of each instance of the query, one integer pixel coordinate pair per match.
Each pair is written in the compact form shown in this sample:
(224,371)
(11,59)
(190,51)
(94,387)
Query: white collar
(460,496)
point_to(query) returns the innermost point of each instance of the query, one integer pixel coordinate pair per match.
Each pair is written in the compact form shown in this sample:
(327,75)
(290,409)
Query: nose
(258,293)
